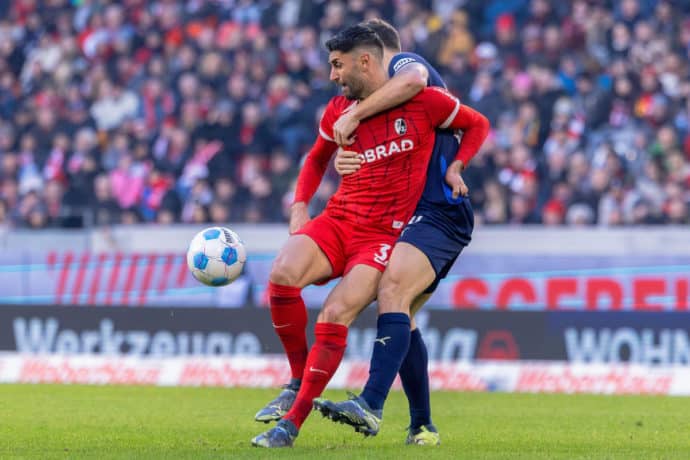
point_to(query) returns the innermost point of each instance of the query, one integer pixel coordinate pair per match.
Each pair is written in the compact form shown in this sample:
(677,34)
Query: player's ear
(364,59)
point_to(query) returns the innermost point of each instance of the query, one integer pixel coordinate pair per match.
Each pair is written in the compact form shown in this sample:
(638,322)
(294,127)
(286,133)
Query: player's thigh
(300,262)
(351,295)
(407,275)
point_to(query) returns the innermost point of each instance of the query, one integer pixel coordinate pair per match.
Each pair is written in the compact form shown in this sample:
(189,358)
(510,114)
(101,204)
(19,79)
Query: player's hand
(299,216)
(454,179)
(344,127)
(347,162)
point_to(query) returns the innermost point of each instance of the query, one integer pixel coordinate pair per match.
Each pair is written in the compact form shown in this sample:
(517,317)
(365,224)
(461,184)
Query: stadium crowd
(200,111)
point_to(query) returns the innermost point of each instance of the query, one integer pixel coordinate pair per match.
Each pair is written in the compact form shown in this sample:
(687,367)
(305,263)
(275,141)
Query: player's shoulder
(404,58)
(339,104)
(435,92)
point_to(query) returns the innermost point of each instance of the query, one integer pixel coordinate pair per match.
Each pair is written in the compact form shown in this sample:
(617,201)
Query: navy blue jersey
(436,191)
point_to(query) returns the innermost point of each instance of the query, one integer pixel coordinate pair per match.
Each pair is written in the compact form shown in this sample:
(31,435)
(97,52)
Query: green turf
(44,421)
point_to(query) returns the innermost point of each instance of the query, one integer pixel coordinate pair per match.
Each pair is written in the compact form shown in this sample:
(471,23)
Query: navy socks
(414,376)
(390,348)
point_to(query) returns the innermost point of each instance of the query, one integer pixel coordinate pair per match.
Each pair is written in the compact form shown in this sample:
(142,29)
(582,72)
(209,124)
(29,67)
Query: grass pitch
(45,421)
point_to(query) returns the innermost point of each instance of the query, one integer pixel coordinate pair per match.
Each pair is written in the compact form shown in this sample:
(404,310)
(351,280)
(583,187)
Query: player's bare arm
(299,216)
(404,85)
(347,162)
(454,179)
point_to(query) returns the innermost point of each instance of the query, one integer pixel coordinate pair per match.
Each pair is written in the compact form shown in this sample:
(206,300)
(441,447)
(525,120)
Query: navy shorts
(441,233)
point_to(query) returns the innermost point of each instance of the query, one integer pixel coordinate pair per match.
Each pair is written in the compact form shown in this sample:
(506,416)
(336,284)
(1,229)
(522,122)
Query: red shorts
(346,245)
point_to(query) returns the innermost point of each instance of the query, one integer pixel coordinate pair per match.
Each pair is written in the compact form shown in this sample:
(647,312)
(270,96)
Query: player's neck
(388,57)
(377,80)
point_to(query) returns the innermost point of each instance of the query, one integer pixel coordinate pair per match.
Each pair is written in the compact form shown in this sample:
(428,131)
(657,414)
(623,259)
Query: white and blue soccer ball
(216,256)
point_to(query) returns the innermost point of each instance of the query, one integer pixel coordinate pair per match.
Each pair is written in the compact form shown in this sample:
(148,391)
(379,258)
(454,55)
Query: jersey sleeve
(317,159)
(329,117)
(441,106)
(399,61)
(314,168)
(445,111)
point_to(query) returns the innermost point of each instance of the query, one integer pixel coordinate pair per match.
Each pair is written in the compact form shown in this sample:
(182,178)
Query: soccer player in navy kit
(429,245)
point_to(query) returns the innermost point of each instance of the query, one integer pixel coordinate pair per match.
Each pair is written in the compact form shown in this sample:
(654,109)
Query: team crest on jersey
(400,126)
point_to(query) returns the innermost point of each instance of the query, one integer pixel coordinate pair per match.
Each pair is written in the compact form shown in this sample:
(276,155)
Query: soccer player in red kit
(353,237)
(429,245)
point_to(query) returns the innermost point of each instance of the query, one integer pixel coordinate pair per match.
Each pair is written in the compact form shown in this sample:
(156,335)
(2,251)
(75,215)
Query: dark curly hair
(357,36)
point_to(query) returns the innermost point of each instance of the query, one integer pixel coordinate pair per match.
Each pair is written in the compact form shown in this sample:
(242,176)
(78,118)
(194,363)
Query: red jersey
(395,147)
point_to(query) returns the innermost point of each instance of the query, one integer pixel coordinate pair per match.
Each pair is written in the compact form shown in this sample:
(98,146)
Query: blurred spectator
(105,209)
(4,214)
(459,40)
(553,213)
(579,215)
(113,105)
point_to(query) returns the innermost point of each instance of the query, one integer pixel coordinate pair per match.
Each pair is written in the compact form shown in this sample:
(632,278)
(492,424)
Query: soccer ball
(216,256)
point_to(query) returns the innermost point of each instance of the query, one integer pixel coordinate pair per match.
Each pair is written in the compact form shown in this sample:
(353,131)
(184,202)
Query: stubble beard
(354,90)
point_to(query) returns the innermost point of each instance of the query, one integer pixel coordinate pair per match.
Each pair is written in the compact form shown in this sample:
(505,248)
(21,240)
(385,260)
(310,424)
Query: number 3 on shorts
(383,254)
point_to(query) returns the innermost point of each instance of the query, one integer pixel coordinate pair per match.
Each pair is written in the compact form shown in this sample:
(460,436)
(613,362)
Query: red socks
(316,368)
(289,315)
(322,362)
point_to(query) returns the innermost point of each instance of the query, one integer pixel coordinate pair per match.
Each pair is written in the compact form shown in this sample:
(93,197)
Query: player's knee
(284,273)
(336,313)
(391,284)
(393,296)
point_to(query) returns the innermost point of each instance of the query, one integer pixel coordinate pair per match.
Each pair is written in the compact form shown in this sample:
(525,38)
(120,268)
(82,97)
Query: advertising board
(642,338)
